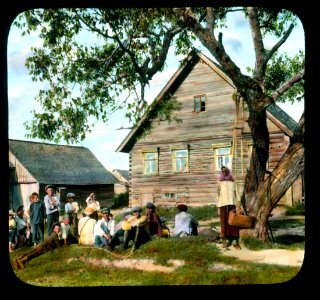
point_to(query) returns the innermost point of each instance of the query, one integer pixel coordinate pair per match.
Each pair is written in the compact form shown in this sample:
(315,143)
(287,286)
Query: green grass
(297,209)
(69,266)
(202,261)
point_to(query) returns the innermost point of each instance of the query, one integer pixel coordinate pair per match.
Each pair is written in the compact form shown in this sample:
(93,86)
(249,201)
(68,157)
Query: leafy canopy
(87,81)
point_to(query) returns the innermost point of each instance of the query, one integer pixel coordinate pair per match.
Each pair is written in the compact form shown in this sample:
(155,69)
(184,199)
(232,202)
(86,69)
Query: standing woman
(227,201)
(52,208)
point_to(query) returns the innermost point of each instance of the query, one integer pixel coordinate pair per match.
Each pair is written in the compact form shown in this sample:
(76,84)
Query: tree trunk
(275,186)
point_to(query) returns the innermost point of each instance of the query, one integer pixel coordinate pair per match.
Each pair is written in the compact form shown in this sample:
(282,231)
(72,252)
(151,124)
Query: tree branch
(208,39)
(159,61)
(257,43)
(278,44)
(288,84)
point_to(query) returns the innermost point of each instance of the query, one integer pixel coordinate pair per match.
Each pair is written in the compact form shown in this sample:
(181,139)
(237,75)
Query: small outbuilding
(33,165)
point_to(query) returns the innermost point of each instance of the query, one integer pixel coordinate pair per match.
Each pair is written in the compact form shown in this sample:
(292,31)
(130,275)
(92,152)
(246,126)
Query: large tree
(87,82)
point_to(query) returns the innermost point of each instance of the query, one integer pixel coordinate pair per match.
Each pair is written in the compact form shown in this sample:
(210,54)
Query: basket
(241,221)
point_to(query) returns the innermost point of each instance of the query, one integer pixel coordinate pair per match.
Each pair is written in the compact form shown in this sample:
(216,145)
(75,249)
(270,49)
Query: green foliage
(297,209)
(83,82)
(275,20)
(200,213)
(120,200)
(279,70)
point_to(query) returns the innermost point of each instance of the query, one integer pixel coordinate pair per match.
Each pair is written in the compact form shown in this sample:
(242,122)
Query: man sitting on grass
(134,229)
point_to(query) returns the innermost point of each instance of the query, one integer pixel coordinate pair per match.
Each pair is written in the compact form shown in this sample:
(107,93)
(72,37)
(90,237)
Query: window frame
(156,152)
(174,158)
(217,157)
(202,99)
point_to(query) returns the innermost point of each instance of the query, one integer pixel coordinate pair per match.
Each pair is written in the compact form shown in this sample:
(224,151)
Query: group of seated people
(138,228)
(103,232)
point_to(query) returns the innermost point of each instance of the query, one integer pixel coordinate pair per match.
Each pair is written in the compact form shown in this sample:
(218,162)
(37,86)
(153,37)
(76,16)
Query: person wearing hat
(154,223)
(12,230)
(71,208)
(49,243)
(134,229)
(104,229)
(52,204)
(185,223)
(86,226)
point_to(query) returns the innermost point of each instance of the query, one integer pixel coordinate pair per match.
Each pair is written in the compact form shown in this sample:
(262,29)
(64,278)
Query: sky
(105,138)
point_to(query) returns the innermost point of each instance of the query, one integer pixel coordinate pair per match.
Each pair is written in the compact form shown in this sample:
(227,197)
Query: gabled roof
(60,164)
(121,175)
(273,111)
(281,118)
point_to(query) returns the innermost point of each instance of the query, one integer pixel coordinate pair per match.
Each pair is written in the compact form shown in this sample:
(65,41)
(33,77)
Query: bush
(297,209)
(120,200)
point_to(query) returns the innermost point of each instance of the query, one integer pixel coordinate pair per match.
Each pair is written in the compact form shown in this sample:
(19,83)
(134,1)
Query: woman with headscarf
(227,201)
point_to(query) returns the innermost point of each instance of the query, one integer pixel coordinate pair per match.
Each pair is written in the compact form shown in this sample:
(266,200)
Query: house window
(199,103)
(180,161)
(150,162)
(170,195)
(222,156)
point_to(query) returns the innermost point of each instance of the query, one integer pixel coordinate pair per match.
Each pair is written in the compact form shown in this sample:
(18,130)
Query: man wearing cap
(154,222)
(134,229)
(104,229)
(86,226)
(52,204)
(71,209)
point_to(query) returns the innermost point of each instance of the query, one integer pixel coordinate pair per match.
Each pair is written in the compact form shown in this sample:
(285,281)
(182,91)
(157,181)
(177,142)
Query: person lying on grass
(49,243)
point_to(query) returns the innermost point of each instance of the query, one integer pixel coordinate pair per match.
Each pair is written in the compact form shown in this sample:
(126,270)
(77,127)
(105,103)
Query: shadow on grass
(289,239)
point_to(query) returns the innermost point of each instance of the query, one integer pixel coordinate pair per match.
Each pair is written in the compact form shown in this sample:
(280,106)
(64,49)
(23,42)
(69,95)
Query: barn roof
(274,112)
(60,164)
(123,173)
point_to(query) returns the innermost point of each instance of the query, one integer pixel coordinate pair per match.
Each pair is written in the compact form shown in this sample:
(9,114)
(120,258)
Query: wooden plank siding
(198,131)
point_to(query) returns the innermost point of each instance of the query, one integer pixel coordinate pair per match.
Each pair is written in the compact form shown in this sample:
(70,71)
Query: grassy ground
(184,261)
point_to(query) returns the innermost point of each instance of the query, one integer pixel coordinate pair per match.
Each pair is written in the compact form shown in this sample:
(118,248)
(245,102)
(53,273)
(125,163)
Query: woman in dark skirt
(227,201)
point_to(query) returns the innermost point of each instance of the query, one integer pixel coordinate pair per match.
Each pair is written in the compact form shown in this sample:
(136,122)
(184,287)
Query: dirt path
(269,256)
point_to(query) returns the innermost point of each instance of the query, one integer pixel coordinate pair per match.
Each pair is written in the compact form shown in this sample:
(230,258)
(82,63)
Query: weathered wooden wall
(23,184)
(198,130)
(217,124)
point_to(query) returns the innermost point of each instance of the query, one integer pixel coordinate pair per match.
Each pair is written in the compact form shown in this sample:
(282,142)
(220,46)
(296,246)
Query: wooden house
(179,162)
(75,169)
